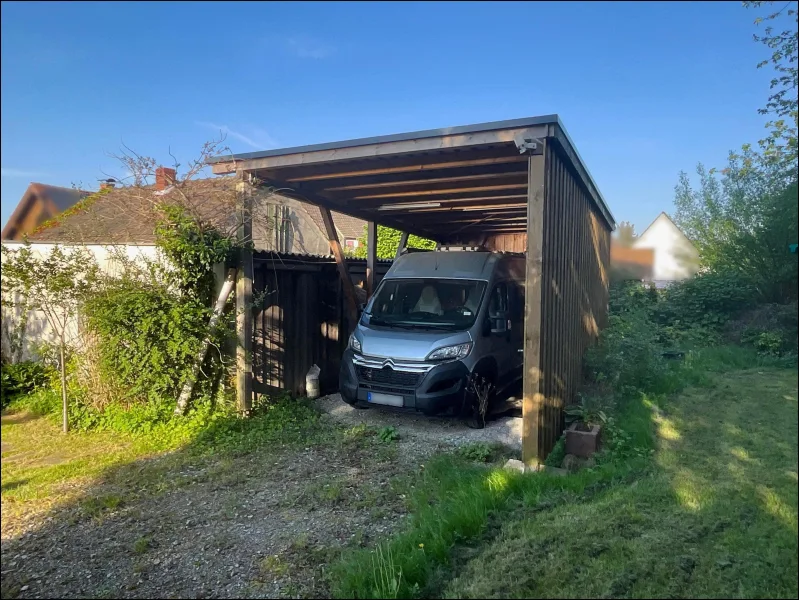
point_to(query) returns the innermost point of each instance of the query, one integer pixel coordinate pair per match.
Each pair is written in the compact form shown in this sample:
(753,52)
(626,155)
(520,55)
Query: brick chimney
(164,177)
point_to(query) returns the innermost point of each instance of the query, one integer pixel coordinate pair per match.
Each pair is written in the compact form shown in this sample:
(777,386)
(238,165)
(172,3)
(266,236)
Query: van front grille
(388,376)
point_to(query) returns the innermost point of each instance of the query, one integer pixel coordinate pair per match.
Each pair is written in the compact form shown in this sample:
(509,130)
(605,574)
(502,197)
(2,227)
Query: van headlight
(354,343)
(451,352)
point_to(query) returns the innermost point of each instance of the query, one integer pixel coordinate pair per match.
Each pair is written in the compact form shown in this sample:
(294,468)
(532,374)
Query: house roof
(59,198)
(128,215)
(668,219)
(62,197)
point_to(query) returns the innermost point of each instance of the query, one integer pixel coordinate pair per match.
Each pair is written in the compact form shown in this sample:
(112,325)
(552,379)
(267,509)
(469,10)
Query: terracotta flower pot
(582,443)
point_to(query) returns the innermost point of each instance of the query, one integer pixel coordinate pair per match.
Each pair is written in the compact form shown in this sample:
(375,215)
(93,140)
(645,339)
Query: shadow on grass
(714,515)
(195,521)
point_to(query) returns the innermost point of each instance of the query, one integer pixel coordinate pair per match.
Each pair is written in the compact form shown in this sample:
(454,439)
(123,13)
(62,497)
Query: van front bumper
(440,388)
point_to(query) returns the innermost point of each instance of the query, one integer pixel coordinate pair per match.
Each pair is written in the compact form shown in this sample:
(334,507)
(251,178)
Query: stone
(516,465)
(582,443)
(556,471)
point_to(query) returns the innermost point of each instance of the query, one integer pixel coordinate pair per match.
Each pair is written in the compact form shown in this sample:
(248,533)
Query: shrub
(388,240)
(706,300)
(628,356)
(146,338)
(388,434)
(476,451)
(765,342)
(21,378)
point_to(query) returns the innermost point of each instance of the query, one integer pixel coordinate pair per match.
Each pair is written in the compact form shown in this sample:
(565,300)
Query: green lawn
(703,503)
(715,517)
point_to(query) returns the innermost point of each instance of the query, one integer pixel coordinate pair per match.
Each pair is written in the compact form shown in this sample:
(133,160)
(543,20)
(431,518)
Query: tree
(743,220)
(781,142)
(625,234)
(54,284)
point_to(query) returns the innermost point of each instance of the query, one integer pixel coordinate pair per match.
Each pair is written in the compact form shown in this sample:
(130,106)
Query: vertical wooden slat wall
(574,289)
(302,321)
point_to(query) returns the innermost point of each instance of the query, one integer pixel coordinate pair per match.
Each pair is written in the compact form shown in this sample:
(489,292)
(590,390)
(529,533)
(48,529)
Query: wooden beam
(401,182)
(371,257)
(388,148)
(448,199)
(533,399)
(414,166)
(310,197)
(244,320)
(481,188)
(341,265)
(403,243)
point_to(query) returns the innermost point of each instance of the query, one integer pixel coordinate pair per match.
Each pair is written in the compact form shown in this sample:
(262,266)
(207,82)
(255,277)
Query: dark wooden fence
(300,319)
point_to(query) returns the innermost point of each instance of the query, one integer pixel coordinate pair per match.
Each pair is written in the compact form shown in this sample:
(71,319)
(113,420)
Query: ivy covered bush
(146,337)
(388,240)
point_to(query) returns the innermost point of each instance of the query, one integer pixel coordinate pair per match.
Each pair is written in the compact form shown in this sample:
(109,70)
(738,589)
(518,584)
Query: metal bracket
(525,142)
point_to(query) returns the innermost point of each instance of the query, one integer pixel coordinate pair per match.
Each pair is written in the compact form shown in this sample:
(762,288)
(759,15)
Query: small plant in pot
(584,425)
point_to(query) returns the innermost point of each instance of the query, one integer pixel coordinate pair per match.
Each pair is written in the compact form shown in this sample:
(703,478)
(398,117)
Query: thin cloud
(302,46)
(9,172)
(257,138)
(307,47)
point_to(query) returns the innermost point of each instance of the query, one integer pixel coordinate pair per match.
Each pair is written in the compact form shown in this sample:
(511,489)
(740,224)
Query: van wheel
(477,400)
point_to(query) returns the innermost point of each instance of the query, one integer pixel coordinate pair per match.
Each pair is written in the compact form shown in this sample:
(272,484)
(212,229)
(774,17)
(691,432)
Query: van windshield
(427,303)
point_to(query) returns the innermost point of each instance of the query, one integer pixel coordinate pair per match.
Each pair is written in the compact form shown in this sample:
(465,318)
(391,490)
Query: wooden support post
(341,265)
(402,245)
(533,399)
(371,257)
(244,320)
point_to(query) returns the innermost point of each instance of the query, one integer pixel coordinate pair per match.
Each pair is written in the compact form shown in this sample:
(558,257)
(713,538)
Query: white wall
(37,329)
(676,257)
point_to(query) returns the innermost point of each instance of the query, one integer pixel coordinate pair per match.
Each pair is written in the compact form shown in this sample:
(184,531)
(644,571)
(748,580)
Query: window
(517,303)
(350,243)
(426,303)
(499,301)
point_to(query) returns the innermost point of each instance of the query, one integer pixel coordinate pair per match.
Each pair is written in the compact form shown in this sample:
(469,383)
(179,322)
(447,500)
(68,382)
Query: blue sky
(644,89)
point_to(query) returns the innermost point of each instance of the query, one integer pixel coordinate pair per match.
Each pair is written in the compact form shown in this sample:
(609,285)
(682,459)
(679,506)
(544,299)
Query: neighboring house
(40,203)
(631,263)
(676,258)
(123,220)
(126,216)
(350,229)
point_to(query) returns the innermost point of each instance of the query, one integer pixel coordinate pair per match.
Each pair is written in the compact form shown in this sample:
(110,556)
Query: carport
(517,186)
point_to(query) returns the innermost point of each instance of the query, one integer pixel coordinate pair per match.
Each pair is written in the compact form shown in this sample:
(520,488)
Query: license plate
(385,399)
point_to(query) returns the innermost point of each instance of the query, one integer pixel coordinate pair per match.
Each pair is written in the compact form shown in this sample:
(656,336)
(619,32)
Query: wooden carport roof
(447,184)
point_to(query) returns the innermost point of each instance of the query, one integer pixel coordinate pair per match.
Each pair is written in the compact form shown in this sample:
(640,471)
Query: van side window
(517,303)
(498,306)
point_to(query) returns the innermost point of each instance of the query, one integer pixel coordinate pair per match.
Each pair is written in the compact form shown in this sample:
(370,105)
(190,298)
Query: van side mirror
(499,324)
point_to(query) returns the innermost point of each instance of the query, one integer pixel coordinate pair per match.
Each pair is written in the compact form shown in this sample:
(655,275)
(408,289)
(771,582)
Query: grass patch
(42,468)
(142,545)
(695,496)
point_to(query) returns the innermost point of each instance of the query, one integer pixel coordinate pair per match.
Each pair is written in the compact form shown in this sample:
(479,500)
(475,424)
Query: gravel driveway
(261,525)
(419,429)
